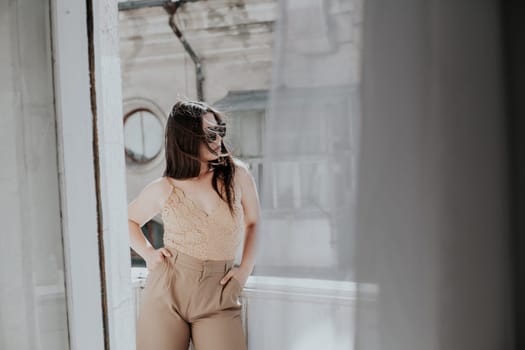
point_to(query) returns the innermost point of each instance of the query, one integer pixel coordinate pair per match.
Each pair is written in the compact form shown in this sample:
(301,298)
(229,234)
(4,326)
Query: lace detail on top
(191,230)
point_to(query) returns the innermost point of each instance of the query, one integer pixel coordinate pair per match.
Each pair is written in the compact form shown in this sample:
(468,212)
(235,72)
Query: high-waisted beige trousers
(183,298)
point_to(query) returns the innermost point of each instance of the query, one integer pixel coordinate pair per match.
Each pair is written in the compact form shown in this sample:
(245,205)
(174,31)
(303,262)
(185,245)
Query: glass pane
(143,134)
(246,133)
(251,134)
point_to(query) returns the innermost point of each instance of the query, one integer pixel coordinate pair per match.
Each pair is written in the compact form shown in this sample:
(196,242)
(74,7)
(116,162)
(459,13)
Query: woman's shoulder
(158,184)
(243,175)
(149,201)
(242,169)
(240,165)
(158,189)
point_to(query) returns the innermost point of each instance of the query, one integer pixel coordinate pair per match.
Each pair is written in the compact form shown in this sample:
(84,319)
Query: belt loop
(175,255)
(203,272)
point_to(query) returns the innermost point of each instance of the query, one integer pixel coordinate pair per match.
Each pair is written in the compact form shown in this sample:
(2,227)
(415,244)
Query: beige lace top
(191,230)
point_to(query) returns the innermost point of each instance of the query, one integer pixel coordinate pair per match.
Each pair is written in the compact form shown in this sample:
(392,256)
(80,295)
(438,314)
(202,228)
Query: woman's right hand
(155,257)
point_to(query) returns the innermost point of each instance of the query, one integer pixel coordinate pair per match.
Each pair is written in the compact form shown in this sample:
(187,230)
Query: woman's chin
(213,158)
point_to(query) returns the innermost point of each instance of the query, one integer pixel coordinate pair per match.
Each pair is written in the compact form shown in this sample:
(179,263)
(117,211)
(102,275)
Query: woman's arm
(251,209)
(146,205)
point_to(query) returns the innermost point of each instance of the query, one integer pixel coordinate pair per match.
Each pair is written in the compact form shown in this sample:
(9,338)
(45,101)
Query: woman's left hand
(240,274)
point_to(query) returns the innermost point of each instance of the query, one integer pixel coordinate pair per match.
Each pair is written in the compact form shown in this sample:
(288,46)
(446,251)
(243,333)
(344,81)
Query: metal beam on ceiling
(137,4)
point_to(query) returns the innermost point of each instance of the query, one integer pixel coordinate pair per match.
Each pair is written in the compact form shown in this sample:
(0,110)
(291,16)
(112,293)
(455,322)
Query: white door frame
(92,174)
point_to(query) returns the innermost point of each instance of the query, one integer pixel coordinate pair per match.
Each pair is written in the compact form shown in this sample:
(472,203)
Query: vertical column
(76,154)
(110,174)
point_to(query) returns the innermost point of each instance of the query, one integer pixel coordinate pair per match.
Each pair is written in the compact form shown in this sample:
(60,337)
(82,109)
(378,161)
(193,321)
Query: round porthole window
(143,136)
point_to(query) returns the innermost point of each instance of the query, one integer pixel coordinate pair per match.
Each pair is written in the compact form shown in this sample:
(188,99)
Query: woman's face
(208,121)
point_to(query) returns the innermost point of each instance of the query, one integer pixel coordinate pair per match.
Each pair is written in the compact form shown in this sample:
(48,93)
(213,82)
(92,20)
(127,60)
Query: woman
(207,200)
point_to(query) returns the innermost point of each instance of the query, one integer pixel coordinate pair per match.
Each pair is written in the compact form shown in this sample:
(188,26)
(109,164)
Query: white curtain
(33,304)
(384,193)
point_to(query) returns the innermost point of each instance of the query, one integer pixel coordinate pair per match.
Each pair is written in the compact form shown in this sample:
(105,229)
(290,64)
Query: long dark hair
(183,135)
